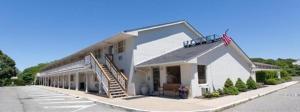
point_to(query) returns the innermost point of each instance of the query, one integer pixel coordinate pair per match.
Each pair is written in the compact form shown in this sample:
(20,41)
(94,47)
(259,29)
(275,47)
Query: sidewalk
(148,103)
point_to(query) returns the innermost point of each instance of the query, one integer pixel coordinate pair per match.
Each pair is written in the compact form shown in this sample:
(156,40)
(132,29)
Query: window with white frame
(121,46)
(201,74)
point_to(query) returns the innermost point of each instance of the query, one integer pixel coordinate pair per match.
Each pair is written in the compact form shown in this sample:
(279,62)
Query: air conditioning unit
(204,89)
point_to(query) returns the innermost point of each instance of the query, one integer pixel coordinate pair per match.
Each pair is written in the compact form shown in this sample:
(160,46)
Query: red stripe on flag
(226,39)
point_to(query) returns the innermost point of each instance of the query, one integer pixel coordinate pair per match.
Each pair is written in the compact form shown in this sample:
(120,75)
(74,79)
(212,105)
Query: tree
(7,69)
(285,64)
(28,75)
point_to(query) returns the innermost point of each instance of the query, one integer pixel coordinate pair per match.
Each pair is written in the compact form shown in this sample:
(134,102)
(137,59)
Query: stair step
(117,93)
(114,85)
(116,90)
(118,96)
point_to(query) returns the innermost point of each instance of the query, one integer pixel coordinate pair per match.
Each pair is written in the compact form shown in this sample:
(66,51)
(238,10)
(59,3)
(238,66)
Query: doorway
(173,75)
(156,79)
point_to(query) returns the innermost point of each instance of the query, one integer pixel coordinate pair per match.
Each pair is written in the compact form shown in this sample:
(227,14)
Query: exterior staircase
(115,88)
(113,82)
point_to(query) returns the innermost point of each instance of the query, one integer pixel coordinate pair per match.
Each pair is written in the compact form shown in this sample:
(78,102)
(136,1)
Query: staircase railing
(101,75)
(121,78)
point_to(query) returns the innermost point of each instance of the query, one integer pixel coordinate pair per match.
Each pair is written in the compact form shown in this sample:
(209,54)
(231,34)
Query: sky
(38,31)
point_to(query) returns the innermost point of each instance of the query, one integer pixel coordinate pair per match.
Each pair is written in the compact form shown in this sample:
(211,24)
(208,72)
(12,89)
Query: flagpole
(226,30)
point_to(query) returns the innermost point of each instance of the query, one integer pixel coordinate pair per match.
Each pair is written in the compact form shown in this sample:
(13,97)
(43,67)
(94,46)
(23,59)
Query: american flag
(226,39)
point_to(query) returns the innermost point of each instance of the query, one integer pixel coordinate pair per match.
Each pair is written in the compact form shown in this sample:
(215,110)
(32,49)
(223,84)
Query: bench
(171,87)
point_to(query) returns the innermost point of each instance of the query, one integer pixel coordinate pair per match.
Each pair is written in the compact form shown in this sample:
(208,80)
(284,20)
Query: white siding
(153,43)
(156,42)
(222,63)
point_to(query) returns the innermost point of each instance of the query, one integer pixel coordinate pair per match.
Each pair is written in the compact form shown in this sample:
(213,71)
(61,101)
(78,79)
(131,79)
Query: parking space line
(68,102)
(49,99)
(62,107)
(84,108)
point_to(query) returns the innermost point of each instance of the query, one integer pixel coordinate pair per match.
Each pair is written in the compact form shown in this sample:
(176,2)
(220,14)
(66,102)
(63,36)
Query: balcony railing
(68,67)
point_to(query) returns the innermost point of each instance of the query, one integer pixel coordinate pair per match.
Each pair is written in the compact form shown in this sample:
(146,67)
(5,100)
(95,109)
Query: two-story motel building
(151,56)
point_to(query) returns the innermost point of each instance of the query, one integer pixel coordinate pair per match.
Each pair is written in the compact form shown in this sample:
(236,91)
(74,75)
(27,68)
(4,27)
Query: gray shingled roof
(181,54)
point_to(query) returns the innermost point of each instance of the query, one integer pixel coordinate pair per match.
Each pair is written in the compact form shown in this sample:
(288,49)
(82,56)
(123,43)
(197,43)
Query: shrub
(215,94)
(262,76)
(271,81)
(228,83)
(251,84)
(19,82)
(221,91)
(288,78)
(285,75)
(259,85)
(241,85)
(207,95)
(231,90)
(280,81)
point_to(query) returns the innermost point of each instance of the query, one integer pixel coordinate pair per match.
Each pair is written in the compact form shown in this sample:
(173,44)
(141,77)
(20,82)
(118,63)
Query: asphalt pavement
(34,99)
(285,100)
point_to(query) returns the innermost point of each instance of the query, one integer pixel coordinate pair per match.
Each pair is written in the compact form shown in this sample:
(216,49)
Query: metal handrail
(97,63)
(106,83)
(119,73)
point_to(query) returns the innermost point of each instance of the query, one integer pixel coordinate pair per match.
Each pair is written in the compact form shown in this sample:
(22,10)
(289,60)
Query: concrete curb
(216,109)
(230,105)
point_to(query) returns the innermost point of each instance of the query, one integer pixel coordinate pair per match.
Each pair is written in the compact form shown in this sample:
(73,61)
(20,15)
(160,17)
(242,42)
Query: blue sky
(36,31)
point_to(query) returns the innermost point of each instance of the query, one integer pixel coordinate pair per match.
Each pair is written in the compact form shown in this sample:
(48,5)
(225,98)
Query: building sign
(200,41)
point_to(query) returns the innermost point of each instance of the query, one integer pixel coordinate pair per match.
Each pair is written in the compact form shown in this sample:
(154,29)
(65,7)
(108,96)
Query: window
(72,78)
(201,74)
(97,53)
(173,75)
(121,46)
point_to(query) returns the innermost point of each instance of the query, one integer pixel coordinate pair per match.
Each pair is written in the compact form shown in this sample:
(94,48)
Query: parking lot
(34,99)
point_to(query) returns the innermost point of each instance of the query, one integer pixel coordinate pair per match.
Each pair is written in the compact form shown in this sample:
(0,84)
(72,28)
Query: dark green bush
(207,95)
(285,75)
(280,81)
(272,81)
(288,78)
(241,85)
(19,82)
(262,76)
(231,90)
(251,84)
(228,83)
(221,91)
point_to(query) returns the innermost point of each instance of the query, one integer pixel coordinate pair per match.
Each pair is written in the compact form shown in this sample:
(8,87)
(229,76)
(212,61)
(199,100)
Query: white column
(47,81)
(69,78)
(77,81)
(63,80)
(86,83)
(57,81)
